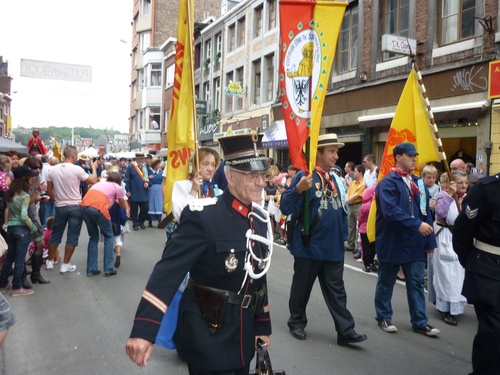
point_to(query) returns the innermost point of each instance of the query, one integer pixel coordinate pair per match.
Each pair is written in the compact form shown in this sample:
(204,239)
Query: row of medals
(328,196)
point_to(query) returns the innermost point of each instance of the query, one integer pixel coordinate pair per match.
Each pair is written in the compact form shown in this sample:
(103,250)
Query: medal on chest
(231,262)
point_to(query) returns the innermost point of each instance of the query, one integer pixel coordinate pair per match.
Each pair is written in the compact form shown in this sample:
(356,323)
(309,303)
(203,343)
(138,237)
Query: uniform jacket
(134,184)
(328,236)
(480,219)
(398,220)
(201,244)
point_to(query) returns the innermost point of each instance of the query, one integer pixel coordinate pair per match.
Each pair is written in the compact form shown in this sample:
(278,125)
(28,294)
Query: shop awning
(7,144)
(275,135)
(446,112)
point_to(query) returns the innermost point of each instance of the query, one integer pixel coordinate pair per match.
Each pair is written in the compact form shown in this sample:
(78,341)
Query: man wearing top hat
(137,187)
(321,253)
(224,306)
(404,235)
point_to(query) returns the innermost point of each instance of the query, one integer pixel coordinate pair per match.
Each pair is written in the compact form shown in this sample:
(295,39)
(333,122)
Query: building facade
(5,99)
(153,22)
(237,64)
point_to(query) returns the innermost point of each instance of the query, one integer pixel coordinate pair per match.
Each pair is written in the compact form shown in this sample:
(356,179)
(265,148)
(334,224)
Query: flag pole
(193,101)
(196,159)
(308,191)
(432,121)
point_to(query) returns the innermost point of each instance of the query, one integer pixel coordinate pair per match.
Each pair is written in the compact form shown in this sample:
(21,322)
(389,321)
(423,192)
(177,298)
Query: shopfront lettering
(209,129)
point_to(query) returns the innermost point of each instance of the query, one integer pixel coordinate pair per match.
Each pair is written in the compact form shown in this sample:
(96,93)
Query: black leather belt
(354,204)
(244,300)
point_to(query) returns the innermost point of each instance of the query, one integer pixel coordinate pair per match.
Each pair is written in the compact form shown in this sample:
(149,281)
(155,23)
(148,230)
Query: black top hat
(24,171)
(245,152)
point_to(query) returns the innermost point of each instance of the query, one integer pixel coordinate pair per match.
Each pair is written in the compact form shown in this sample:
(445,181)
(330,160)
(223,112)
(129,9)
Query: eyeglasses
(252,176)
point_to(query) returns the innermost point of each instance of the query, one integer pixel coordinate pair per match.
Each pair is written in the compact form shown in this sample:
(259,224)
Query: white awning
(446,112)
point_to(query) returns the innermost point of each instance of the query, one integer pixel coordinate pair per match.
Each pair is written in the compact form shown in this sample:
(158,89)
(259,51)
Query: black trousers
(330,276)
(368,250)
(486,346)
(139,213)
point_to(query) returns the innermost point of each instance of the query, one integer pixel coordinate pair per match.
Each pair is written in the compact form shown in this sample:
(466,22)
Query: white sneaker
(49,264)
(67,267)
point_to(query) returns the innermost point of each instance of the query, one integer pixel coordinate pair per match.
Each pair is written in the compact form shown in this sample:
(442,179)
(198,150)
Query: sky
(84,32)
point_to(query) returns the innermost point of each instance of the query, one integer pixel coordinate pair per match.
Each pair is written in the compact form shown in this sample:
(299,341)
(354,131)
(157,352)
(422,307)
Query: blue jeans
(18,239)
(50,210)
(96,221)
(414,275)
(72,216)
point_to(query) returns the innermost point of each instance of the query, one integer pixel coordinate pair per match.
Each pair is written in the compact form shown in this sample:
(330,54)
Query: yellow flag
(410,124)
(180,133)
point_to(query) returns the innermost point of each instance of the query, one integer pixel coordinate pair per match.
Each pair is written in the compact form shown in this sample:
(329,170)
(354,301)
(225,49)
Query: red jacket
(36,146)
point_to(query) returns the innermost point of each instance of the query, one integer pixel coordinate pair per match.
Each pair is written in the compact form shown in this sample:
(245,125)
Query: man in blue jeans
(404,236)
(63,185)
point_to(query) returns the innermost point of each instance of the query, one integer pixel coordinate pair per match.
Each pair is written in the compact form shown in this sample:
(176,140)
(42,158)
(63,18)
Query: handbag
(3,246)
(263,361)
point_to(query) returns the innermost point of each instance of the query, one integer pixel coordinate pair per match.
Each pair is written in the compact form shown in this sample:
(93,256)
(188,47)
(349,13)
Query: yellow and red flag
(180,133)
(410,124)
(309,34)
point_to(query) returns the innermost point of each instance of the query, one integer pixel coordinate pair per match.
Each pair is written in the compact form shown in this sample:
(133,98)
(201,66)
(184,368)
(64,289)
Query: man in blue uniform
(137,186)
(321,254)
(404,236)
(476,240)
(226,244)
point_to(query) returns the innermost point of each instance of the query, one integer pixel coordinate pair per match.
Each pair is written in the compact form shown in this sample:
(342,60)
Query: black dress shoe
(353,338)
(449,319)
(298,333)
(112,273)
(135,228)
(143,226)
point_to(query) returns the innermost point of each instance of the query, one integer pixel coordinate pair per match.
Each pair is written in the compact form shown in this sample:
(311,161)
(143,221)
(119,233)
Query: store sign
(399,44)
(201,108)
(207,131)
(494,80)
(234,89)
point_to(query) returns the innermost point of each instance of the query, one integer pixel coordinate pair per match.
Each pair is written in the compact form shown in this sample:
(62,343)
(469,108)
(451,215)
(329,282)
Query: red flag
(309,34)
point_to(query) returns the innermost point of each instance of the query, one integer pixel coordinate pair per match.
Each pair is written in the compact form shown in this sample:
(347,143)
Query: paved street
(79,325)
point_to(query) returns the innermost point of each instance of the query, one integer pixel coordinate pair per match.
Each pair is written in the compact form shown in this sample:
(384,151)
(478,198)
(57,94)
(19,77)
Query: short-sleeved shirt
(370,178)
(102,196)
(66,179)
(356,188)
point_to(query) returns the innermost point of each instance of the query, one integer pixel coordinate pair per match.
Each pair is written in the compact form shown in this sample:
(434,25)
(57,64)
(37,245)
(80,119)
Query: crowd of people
(41,196)
(415,239)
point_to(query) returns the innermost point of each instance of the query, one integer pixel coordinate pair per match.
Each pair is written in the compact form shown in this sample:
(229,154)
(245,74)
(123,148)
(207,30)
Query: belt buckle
(247,299)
